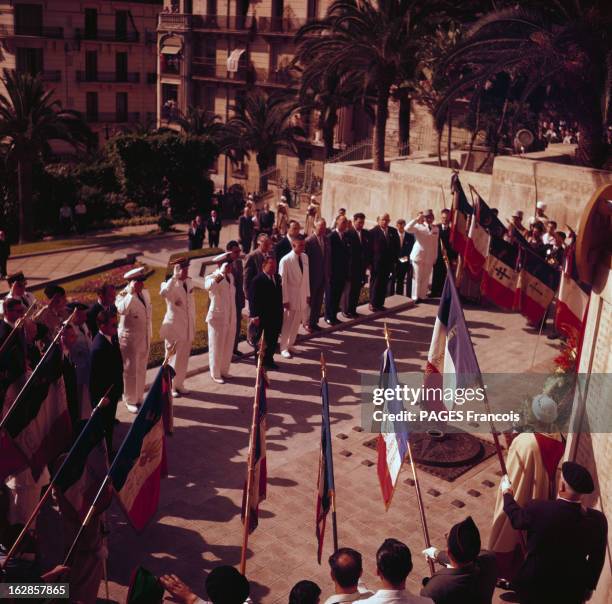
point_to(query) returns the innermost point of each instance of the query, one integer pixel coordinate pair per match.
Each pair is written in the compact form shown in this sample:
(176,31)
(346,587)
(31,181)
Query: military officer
(221,318)
(135,329)
(55,312)
(424,252)
(178,326)
(17,283)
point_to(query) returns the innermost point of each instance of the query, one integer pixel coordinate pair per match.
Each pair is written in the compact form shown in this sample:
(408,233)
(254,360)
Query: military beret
(577,477)
(464,541)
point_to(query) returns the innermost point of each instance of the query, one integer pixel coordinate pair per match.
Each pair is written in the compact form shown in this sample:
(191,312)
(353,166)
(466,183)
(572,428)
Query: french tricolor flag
(392,444)
(460,213)
(477,246)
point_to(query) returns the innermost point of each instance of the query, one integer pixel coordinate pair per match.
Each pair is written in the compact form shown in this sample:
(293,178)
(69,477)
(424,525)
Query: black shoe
(347,315)
(271,366)
(332,321)
(237,353)
(316,328)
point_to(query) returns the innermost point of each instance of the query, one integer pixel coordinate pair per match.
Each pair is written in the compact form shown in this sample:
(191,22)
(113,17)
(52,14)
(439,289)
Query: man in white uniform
(221,319)
(424,252)
(135,330)
(17,282)
(178,326)
(293,269)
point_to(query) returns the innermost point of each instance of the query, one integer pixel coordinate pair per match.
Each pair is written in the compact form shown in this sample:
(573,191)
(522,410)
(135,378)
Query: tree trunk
(380,129)
(328,132)
(450,138)
(26,214)
(473,137)
(263,165)
(404,124)
(591,149)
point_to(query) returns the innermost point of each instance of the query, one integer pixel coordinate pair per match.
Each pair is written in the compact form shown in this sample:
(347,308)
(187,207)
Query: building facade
(100,57)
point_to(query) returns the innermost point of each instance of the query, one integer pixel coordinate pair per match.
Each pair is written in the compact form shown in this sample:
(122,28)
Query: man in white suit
(135,330)
(221,318)
(294,272)
(178,326)
(424,252)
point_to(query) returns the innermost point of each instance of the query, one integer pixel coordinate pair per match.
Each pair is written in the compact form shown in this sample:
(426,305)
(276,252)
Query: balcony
(113,118)
(106,35)
(174,21)
(236,23)
(209,69)
(37,31)
(109,77)
(279,25)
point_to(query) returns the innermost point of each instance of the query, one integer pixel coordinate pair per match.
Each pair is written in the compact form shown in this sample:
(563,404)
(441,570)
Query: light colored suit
(396,596)
(178,325)
(423,256)
(296,292)
(135,331)
(221,319)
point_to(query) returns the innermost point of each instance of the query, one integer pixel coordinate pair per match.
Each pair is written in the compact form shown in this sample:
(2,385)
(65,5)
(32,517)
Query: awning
(234,58)
(171,46)
(170,50)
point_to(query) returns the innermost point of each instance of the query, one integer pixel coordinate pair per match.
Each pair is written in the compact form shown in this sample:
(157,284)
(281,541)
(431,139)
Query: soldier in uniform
(424,252)
(221,319)
(55,312)
(178,326)
(17,283)
(135,330)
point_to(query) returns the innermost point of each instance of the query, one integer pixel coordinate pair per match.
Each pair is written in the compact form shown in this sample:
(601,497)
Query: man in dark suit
(266,308)
(13,358)
(439,270)
(403,272)
(254,262)
(233,251)
(266,220)
(340,262)
(468,575)
(360,260)
(106,371)
(384,247)
(318,251)
(106,301)
(246,229)
(68,340)
(213,226)
(283,247)
(566,543)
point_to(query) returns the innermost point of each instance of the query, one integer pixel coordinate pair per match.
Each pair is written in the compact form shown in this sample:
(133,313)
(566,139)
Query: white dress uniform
(221,319)
(423,255)
(178,325)
(135,331)
(296,291)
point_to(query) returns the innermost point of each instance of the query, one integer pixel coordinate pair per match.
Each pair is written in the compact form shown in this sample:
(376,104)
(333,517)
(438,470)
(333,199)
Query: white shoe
(286,354)
(176,393)
(132,408)
(218,380)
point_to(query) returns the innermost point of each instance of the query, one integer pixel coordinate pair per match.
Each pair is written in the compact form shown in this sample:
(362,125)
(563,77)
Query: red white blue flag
(460,212)
(140,462)
(392,444)
(499,279)
(538,282)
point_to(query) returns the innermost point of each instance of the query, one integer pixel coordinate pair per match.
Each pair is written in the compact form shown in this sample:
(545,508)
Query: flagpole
(250,469)
(48,490)
(333,493)
(18,324)
(40,363)
(417,486)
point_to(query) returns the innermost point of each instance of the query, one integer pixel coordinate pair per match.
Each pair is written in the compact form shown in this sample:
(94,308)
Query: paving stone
(487,483)
(474,493)
(433,492)
(367,463)
(345,453)
(342,436)
(409,481)
(458,503)
(357,428)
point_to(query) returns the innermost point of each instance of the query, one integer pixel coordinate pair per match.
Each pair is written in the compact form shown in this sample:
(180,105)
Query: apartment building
(212,50)
(99,56)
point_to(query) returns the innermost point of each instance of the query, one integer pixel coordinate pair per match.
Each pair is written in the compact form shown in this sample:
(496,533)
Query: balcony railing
(132,77)
(54,75)
(238,23)
(113,118)
(225,22)
(106,35)
(32,30)
(174,21)
(209,68)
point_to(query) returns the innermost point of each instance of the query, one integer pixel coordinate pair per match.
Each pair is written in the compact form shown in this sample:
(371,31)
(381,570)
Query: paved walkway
(198,525)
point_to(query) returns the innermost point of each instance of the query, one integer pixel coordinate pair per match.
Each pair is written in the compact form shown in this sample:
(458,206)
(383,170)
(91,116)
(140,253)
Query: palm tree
(262,124)
(563,47)
(376,44)
(199,122)
(29,120)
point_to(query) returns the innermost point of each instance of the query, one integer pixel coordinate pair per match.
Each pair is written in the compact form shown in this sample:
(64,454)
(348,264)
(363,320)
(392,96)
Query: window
(30,60)
(91,65)
(211,8)
(121,103)
(28,19)
(91,23)
(312,9)
(169,108)
(91,109)
(121,66)
(121,24)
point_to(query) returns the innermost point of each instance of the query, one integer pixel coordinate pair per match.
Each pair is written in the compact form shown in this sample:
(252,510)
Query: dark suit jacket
(360,253)
(238,272)
(106,365)
(406,247)
(340,257)
(283,247)
(318,261)
(566,548)
(213,226)
(245,228)
(266,301)
(72,397)
(473,583)
(445,241)
(384,250)
(12,359)
(266,221)
(92,315)
(252,268)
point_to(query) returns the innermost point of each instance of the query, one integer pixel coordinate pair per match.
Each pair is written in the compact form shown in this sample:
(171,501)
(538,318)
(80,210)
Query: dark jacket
(445,242)
(266,300)
(318,261)
(92,315)
(5,249)
(214,226)
(340,256)
(195,235)
(245,229)
(360,253)
(384,250)
(566,548)
(473,583)
(266,221)
(252,268)
(406,247)
(282,248)
(13,357)
(106,369)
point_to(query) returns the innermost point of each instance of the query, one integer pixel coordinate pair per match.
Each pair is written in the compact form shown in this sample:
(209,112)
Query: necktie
(359,235)
(185,287)
(301,264)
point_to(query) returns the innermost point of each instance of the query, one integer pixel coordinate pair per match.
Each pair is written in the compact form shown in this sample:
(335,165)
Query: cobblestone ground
(198,525)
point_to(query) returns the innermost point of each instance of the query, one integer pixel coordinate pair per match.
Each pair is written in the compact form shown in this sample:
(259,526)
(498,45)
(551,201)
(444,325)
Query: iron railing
(34,30)
(106,35)
(130,77)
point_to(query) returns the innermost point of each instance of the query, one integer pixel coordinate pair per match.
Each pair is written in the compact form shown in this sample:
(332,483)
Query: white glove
(223,268)
(505,484)
(431,553)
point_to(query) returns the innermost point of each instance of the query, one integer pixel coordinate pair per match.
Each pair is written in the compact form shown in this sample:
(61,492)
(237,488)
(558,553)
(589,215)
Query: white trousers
(220,347)
(135,358)
(291,326)
(179,361)
(421,279)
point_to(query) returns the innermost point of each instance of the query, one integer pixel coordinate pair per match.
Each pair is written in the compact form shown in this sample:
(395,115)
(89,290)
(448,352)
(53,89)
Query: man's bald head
(346,567)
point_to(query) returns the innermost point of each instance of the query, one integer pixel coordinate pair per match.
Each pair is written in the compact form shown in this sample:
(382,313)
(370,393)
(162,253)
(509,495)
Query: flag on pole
(538,283)
(460,212)
(477,245)
(39,424)
(451,362)
(392,443)
(573,299)
(499,278)
(325,483)
(258,457)
(140,463)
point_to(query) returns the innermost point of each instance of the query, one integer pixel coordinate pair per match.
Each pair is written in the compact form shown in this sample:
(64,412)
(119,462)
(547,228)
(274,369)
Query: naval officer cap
(577,477)
(541,205)
(136,274)
(221,257)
